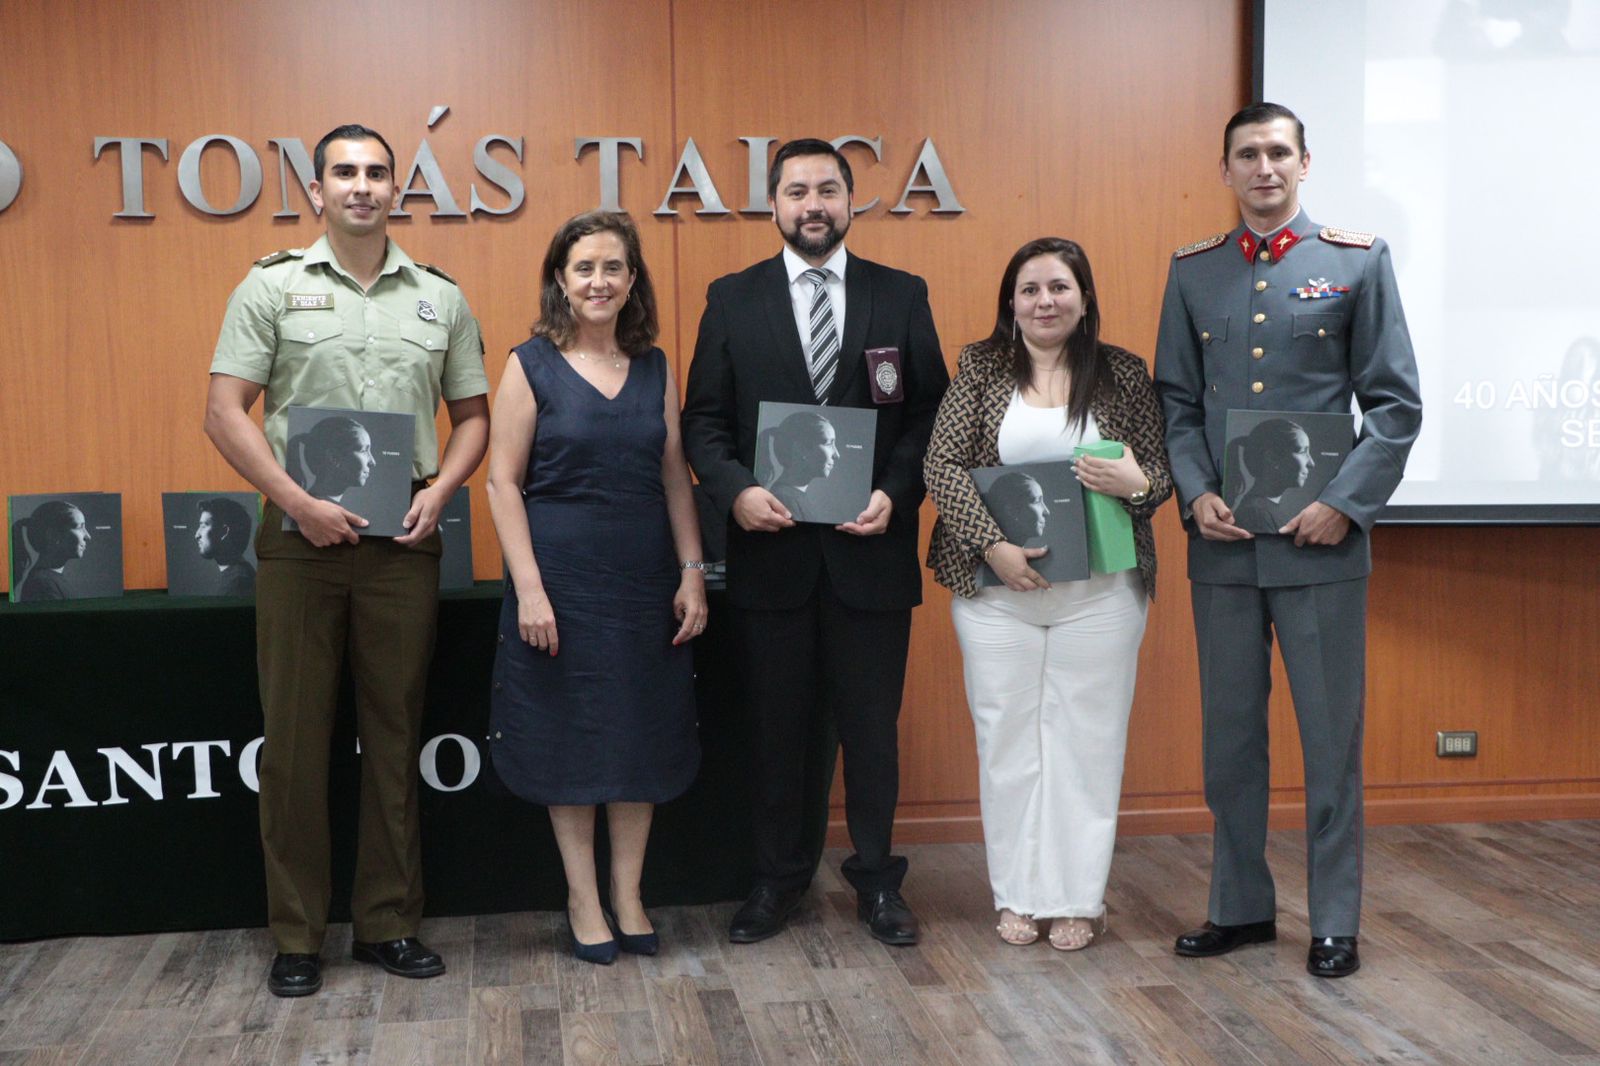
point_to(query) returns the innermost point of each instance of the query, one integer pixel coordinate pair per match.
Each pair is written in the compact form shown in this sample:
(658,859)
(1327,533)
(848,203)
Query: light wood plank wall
(1094,120)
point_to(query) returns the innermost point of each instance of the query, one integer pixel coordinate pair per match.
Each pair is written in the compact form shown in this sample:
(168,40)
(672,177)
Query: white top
(800,293)
(1040,434)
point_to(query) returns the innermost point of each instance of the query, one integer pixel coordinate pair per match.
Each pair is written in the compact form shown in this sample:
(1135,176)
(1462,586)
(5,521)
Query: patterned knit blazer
(966,436)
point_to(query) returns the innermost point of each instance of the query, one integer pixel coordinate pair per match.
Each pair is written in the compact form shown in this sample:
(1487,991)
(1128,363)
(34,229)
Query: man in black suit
(822,614)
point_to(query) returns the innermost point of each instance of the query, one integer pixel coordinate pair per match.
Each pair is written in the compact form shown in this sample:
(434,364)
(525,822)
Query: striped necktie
(824,354)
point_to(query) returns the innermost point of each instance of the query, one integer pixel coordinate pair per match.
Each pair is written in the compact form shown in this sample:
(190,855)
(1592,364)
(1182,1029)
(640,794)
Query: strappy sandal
(1017,930)
(1075,934)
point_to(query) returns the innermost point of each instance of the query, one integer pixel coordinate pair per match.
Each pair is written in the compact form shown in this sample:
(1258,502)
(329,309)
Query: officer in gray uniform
(1282,314)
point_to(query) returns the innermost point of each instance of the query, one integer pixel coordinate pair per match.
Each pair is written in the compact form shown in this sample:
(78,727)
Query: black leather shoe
(1333,956)
(632,943)
(887,915)
(406,957)
(763,914)
(1213,939)
(294,975)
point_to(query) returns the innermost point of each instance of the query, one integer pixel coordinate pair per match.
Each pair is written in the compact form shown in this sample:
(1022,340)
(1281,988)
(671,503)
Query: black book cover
(1038,505)
(455,533)
(1277,462)
(816,459)
(360,460)
(211,542)
(65,546)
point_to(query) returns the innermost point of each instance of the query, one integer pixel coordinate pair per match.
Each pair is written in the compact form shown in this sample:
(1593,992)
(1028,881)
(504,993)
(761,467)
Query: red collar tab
(1275,246)
(1285,239)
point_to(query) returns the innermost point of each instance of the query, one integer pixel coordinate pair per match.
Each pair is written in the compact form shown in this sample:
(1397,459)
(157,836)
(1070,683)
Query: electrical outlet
(1457,744)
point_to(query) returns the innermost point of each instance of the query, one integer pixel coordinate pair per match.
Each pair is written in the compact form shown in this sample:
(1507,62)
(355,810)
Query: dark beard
(822,246)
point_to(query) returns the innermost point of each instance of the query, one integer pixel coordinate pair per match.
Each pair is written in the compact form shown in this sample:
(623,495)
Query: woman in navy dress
(593,699)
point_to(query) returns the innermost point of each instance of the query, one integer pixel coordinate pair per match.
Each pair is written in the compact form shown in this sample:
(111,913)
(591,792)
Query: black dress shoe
(406,957)
(887,915)
(1333,956)
(1214,939)
(602,953)
(763,913)
(632,943)
(294,975)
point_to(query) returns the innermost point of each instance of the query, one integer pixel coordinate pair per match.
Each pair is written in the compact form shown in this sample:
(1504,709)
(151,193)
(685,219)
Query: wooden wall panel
(1092,120)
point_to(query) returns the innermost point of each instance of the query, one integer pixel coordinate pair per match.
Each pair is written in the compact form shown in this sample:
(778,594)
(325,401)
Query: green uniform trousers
(378,602)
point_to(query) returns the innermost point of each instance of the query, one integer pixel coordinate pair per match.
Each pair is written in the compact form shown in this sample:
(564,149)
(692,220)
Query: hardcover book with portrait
(1037,505)
(211,542)
(65,546)
(1274,463)
(360,460)
(816,460)
(455,534)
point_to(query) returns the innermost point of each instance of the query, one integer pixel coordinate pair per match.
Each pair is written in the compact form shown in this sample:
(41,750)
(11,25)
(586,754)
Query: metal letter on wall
(249,174)
(609,149)
(756,197)
(434,187)
(292,153)
(10,176)
(876,144)
(498,174)
(132,151)
(691,164)
(928,162)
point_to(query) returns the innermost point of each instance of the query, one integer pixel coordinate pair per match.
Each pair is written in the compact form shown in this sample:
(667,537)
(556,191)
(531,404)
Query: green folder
(1110,525)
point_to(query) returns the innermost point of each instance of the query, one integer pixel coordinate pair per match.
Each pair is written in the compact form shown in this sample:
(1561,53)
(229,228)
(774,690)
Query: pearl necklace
(615,357)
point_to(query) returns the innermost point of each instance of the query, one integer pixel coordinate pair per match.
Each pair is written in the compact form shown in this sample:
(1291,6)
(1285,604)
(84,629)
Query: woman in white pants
(1049,669)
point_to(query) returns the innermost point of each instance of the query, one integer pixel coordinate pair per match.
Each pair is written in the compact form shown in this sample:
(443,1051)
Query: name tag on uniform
(308,301)
(883,374)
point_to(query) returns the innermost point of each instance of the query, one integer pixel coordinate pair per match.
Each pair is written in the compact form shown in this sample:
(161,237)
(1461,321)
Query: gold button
(1264,256)
(1205,335)
(1260,285)
(1322,333)
(1260,318)
(1257,353)
(1256,386)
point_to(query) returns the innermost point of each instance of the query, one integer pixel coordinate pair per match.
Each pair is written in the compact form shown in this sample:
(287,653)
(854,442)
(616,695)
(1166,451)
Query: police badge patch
(426,312)
(883,374)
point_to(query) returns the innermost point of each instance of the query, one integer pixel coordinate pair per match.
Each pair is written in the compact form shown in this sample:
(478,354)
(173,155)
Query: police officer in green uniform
(351,322)
(1281,314)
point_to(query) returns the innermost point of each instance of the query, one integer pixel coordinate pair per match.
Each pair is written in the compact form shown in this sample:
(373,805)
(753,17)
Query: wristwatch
(1143,494)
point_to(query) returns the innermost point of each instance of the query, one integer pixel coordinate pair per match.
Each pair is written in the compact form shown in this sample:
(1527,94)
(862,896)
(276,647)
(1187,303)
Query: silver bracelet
(693,564)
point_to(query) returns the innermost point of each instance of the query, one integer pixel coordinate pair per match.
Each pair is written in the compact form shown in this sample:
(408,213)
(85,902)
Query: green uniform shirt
(300,326)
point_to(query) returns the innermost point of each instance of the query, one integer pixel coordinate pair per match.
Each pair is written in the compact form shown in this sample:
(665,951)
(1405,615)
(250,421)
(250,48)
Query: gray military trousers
(1322,630)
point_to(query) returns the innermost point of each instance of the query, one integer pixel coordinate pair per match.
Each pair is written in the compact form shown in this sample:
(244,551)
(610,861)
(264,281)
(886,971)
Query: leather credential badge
(883,371)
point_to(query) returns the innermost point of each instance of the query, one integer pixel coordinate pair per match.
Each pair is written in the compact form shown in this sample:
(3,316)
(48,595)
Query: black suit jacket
(749,351)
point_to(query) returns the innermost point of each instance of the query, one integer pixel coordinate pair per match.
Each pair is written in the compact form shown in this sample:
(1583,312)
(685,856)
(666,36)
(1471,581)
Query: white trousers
(1050,677)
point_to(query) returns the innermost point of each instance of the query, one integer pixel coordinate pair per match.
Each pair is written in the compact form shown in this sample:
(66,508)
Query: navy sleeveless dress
(611,717)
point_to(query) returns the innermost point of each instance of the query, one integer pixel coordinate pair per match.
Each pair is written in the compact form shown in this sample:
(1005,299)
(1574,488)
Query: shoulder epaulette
(1200,246)
(1349,237)
(278,257)
(436,272)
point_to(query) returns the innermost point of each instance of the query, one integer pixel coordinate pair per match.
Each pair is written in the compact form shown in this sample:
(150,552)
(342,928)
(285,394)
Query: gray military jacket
(1303,321)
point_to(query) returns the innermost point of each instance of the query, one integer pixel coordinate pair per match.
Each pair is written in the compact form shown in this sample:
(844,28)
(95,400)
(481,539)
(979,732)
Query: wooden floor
(1478,945)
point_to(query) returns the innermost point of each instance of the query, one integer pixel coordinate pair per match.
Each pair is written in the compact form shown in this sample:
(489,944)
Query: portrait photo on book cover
(211,542)
(816,460)
(360,460)
(65,546)
(1277,462)
(1037,505)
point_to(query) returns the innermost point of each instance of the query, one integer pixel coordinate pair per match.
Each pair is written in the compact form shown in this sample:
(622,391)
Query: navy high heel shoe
(601,954)
(633,943)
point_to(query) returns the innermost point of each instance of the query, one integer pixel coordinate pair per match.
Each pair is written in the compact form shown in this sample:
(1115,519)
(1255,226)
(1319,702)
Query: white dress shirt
(800,293)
